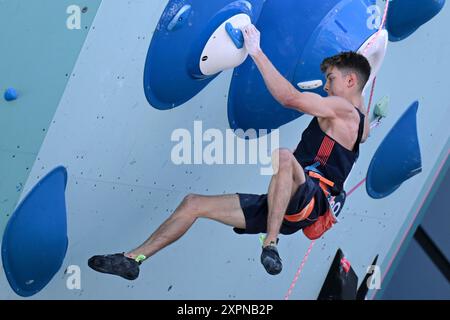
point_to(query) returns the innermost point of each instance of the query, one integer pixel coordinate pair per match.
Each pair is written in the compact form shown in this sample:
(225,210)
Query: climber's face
(341,83)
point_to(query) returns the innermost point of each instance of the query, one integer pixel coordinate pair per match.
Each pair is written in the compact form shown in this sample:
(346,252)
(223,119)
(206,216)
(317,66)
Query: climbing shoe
(271,260)
(117,264)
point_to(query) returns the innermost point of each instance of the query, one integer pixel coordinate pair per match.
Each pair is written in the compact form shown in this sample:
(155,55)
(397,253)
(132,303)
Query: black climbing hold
(341,282)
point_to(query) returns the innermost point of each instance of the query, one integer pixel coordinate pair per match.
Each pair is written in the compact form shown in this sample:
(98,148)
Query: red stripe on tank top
(324,151)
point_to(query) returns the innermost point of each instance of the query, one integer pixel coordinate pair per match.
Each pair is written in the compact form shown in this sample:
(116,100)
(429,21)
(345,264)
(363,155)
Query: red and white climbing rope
(299,270)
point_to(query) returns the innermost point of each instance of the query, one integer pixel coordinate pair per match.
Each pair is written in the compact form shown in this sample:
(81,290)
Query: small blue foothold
(10,94)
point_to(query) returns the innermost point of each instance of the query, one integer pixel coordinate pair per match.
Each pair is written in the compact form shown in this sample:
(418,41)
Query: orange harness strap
(305,212)
(321,178)
(302,215)
(327,220)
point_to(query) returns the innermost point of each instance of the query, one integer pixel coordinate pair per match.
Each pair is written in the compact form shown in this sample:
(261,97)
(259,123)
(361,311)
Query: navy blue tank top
(334,161)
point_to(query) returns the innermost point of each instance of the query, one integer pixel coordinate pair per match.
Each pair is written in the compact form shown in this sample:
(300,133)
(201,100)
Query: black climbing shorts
(255,208)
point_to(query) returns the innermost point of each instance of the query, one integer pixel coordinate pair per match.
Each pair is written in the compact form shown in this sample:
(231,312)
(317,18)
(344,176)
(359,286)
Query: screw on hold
(180,18)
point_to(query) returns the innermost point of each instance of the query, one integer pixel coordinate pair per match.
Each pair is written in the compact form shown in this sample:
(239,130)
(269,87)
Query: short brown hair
(349,61)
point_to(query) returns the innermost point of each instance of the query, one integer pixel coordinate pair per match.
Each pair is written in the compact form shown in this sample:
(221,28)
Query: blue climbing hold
(172,72)
(406,16)
(198,50)
(35,240)
(10,94)
(398,157)
(235,35)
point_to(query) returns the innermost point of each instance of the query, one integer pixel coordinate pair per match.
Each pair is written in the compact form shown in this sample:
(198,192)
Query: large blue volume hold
(398,157)
(406,16)
(296,35)
(171,74)
(35,240)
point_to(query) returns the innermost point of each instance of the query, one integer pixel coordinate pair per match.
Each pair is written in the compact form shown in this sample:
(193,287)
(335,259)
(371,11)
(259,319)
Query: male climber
(299,192)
